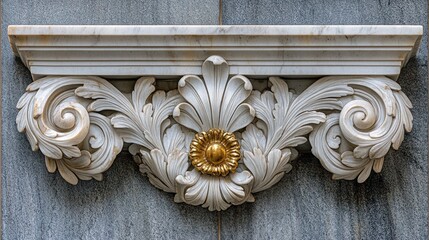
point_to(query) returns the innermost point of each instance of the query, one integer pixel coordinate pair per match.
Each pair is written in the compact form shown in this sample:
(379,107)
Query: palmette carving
(80,124)
(214,102)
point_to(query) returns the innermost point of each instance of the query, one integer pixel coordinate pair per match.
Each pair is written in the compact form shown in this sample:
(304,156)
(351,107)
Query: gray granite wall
(306,204)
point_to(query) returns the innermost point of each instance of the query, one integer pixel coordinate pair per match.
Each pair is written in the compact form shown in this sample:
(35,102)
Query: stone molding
(253,51)
(80,121)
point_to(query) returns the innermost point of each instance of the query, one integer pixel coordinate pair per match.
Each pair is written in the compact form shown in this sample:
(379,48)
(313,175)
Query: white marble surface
(209,30)
(255,51)
(63,116)
(352,121)
(388,206)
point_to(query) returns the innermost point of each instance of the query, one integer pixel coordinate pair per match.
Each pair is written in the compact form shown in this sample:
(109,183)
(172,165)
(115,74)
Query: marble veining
(254,51)
(215,141)
(388,205)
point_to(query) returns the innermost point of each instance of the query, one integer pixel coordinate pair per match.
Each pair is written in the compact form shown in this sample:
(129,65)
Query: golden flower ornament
(215,152)
(190,141)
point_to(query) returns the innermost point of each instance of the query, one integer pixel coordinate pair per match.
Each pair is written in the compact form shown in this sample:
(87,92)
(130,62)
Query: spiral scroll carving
(374,118)
(79,144)
(241,140)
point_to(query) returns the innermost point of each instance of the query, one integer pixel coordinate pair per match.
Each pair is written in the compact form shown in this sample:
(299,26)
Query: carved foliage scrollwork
(374,118)
(79,144)
(144,122)
(80,124)
(216,101)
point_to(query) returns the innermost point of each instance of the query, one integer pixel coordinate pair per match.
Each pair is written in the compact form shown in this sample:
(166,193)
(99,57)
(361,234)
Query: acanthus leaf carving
(144,123)
(214,102)
(80,124)
(374,118)
(80,145)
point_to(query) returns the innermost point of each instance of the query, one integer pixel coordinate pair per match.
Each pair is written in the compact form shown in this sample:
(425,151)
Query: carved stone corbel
(214,141)
(80,123)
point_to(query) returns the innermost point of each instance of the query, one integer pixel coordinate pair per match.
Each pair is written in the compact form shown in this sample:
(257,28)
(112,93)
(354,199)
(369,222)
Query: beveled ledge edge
(352,115)
(256,50)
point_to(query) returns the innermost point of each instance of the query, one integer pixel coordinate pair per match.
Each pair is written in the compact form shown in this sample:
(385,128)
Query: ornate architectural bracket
(217,135)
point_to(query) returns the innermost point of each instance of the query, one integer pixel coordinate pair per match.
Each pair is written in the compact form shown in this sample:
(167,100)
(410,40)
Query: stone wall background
(306,204)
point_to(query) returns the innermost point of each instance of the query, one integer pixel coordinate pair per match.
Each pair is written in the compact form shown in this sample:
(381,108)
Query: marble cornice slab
(256,51)
(215,136)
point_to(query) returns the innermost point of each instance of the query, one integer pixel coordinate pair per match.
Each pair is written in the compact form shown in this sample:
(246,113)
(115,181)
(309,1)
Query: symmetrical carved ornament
(214,141)
(212,138)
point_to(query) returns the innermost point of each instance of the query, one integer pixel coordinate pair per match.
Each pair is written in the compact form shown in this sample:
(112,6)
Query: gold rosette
(215,152)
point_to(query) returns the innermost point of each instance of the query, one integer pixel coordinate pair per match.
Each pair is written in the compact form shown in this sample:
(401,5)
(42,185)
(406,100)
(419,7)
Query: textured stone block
(39,205)
(306,204)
